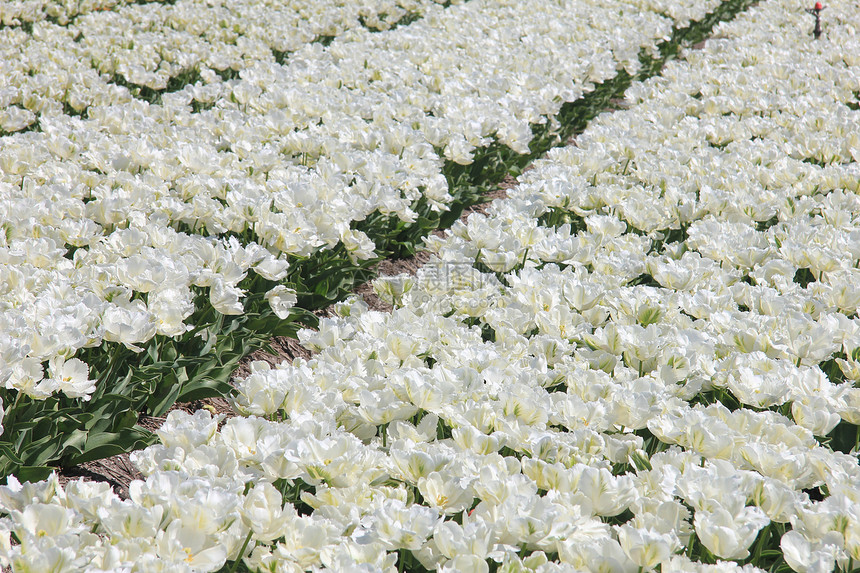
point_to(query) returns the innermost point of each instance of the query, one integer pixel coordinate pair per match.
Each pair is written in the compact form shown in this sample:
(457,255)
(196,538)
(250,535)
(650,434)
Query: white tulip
(726,535)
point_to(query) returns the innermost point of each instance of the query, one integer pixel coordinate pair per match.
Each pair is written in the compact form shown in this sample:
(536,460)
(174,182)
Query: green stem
(763,538)
(241,552)
(10,417)
(856,439)
(692,545)
(104,380)
(284,485)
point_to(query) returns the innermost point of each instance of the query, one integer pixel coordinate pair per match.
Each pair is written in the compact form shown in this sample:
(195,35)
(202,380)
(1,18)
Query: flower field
(643,358)
(153,236)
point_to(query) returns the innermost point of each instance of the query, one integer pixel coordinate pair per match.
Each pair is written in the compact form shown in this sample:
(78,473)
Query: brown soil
(118,470)
(285,349)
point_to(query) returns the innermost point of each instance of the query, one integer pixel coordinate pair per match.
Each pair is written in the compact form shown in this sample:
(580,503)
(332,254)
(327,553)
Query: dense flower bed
(644,357)
(113,219)
(24,12)
(70,55)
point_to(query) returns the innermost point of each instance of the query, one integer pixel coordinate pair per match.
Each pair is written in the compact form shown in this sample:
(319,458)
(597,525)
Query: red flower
(818,6)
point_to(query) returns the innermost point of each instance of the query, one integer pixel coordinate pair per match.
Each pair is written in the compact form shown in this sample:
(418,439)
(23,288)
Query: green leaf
(33,473)
(205,388)
(108,444)
(163,400)
(8,451)
(41,451)
(74,441)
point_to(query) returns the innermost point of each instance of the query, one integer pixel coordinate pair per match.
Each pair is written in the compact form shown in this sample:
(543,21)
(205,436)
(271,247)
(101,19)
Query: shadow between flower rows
(41,436)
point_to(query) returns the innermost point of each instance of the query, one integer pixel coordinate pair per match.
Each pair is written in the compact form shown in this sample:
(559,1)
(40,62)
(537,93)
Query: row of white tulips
(753,153)
(517,439)
(56,64)
(335,136)
(23,12)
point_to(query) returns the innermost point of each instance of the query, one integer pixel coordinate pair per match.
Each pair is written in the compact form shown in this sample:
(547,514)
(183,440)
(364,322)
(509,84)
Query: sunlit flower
(726,535)
(71,377)
(281,299)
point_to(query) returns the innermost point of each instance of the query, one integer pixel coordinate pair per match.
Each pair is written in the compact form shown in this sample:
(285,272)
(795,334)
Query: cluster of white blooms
(126,287)
(150,44)
(96,210)
(322,18)
(22,12)
(351,127)
(619,366)
(56,66)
